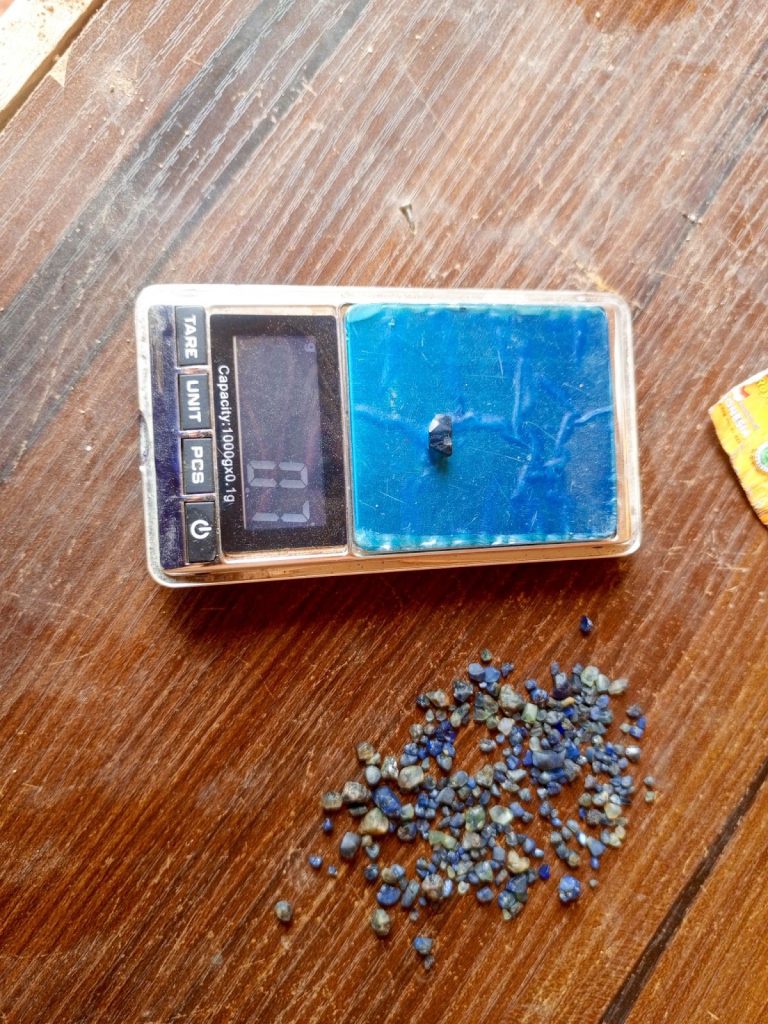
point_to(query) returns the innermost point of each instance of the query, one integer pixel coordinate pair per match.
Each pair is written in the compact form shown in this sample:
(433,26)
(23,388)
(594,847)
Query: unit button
(200,530)
(194,401)
(191,341)
(197,465)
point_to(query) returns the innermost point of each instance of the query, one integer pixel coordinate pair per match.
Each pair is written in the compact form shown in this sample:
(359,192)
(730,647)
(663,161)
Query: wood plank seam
(636,980)
(38,73)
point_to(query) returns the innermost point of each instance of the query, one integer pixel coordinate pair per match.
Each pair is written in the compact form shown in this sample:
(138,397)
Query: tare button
(194,401)
(191,340)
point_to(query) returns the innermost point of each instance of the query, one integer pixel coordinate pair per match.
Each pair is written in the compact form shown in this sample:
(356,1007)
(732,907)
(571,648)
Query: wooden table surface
(161,753)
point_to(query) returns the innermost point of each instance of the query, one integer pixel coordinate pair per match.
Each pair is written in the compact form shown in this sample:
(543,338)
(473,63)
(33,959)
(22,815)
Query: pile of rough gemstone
(539,746)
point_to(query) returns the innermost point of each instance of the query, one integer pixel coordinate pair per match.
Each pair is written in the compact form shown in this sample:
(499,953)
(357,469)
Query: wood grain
(161,753)
(721,942)
(34,36)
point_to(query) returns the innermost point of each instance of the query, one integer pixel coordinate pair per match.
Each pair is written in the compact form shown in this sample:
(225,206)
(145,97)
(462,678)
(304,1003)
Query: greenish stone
(501,815)
(410,777)
(375,823)
(474,818)
(381,922)
(530,714)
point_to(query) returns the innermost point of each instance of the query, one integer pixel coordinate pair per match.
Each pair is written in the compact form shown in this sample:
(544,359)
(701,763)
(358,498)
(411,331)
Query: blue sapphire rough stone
(388,895)
(387,801)
(440,432)
(569,889)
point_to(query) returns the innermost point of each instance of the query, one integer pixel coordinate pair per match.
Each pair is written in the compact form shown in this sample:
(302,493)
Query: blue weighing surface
(530,395)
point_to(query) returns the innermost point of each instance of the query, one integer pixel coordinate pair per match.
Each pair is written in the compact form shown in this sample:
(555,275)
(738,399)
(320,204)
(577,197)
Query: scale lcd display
(280,432)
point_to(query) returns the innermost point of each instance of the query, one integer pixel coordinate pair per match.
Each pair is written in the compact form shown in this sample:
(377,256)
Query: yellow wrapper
(741,422)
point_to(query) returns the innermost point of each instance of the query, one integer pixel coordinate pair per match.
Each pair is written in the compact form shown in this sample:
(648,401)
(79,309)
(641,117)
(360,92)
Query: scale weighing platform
(309,431)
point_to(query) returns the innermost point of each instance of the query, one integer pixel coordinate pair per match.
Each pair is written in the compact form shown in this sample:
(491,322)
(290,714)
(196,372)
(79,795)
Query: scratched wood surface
(34,36)
(161,753)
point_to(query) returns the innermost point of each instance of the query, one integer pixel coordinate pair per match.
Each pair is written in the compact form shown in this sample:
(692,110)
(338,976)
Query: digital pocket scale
(308,431)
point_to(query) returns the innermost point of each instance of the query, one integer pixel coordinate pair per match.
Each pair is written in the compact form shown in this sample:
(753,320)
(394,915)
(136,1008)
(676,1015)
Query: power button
(200,530)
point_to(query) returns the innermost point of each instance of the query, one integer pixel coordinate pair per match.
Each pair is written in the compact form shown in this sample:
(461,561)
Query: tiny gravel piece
(349,845)
(462,691)
(569,889)
(354,793)
(423,945)
(331,801)
(517,864)
(388,895)
(315,861)
(366,753)
(327,826)
(381,922)
(586,625)
(284,911)
(410,777)
(393,875)
(387,802)
(374,823)
(410,894)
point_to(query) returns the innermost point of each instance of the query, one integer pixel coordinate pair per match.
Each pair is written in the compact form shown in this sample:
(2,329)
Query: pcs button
(197,465)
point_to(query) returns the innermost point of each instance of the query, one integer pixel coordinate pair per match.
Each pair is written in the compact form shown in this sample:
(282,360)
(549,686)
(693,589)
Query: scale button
(197,465)
(191,340)
(200,530)
(194,401)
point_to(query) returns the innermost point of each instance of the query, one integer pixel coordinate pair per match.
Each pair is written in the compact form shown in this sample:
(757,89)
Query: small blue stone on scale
(441,434)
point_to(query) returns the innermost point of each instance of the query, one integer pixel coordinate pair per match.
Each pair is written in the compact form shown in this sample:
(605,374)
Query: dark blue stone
(462,691)
(410,895)
(388,895)
(387,801)
(440,434)
(547,760)
(569,889)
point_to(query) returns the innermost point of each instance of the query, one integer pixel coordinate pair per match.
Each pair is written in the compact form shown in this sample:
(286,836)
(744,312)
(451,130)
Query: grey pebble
(381,922)
(355,793)
(284,911)
(410,777)
(349,845)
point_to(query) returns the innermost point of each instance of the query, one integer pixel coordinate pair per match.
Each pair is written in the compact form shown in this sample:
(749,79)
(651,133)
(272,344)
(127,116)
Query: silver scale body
(314,300)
